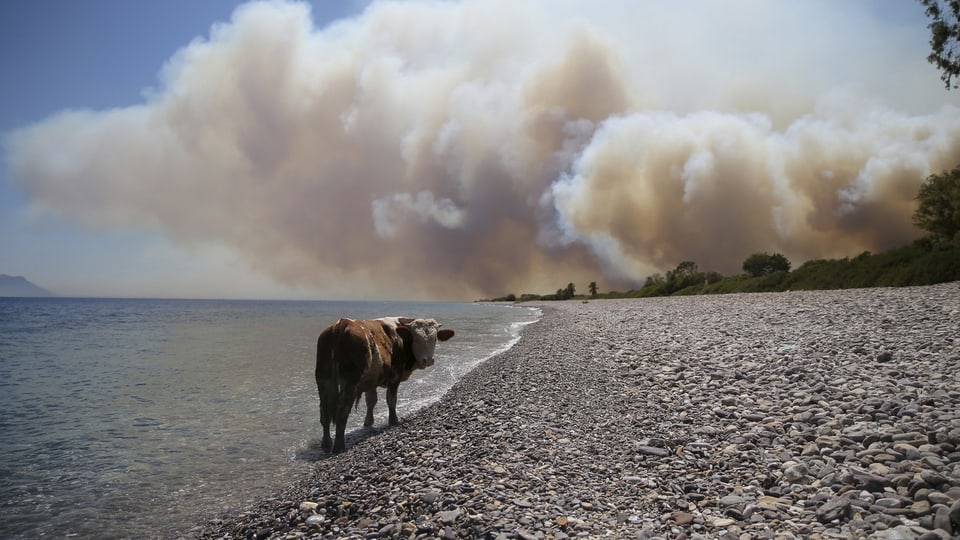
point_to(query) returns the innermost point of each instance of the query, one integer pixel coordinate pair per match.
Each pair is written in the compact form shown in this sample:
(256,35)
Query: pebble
(652,451)
(813,414)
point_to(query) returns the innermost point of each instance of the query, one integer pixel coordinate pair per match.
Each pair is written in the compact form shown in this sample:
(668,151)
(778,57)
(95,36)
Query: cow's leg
(323,376)
(371,403)
(344,402)
(325,443)
(328,408)
(392,403)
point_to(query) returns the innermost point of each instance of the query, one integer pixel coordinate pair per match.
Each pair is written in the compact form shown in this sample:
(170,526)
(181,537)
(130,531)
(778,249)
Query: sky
(454,150)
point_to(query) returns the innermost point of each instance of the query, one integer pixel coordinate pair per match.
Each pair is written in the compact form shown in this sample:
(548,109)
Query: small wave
(502,349)
(515,328)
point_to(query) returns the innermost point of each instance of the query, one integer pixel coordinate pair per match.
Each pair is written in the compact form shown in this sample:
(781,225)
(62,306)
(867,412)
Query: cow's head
(423,335)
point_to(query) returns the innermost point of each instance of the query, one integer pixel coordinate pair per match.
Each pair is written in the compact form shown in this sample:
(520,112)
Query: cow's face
(425,333)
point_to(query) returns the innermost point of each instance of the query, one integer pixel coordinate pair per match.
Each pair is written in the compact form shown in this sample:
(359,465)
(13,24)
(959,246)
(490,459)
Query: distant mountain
(19,286)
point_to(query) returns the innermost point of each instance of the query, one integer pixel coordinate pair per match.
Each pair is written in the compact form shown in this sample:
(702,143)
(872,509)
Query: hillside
(20,286)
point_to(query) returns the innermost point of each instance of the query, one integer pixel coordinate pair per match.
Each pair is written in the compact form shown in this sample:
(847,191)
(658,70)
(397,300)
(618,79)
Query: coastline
(825,414)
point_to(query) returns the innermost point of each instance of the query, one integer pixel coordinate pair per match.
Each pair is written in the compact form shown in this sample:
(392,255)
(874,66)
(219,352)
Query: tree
(761,264)
(570,290)
(654,280)
(593,289)
(939,210)
(939,196)
(684,275)
(779,263)
(945,38)
(684,269)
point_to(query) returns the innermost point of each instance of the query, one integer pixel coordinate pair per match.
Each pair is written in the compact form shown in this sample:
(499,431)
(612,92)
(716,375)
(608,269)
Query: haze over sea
(133,418)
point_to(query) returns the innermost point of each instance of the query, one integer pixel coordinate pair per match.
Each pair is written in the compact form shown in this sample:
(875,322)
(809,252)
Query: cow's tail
(327,369)
(335,335)
(326,345)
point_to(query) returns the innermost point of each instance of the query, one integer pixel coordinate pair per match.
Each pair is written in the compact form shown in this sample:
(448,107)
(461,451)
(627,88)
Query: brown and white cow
(355,357)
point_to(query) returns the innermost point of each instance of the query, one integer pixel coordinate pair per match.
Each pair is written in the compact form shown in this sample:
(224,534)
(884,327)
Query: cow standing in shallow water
(355,357)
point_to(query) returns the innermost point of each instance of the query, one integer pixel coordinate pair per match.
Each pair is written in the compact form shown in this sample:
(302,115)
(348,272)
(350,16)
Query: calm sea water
(134,418)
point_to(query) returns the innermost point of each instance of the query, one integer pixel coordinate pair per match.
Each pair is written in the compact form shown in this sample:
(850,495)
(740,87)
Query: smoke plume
(457,150)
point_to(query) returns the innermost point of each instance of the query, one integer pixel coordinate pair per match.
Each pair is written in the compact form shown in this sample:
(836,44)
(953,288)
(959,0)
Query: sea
(135,418)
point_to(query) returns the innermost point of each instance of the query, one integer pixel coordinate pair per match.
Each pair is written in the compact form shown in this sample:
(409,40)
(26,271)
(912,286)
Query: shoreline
(826,414)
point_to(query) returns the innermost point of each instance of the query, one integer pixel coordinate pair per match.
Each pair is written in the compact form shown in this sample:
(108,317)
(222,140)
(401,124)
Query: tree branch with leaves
(945,39)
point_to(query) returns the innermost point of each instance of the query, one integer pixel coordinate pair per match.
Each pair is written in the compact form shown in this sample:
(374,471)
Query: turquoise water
(120,418)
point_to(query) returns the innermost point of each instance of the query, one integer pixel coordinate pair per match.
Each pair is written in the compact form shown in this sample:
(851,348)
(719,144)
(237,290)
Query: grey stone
(935,497)
(901,532)
(731,500)
(836,508)
(921,508)
(888,502)
(796,473)
(652,451)
(449,516)
(933,478)
(941,519)
(955,517)
(866,480)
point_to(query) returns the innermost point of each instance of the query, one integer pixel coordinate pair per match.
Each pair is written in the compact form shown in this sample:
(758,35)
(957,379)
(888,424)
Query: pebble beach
(815,414)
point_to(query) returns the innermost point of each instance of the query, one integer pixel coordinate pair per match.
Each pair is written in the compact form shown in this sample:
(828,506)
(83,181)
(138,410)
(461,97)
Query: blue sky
(102,54)
(454,105)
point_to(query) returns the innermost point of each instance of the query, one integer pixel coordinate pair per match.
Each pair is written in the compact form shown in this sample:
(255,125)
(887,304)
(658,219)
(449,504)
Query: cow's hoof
(394,421)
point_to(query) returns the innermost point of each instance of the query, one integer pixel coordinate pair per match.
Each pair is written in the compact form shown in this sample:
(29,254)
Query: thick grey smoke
(454,150)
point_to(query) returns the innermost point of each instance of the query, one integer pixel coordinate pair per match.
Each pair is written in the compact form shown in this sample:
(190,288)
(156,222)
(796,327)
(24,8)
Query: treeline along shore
(811,414)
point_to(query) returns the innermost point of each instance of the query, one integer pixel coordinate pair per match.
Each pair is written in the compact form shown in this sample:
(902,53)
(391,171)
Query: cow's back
(342,351)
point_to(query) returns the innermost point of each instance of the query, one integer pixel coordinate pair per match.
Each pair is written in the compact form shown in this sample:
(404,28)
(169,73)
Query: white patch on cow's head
(425,333)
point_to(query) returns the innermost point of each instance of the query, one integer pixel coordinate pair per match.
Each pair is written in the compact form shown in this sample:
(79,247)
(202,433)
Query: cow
(355,357)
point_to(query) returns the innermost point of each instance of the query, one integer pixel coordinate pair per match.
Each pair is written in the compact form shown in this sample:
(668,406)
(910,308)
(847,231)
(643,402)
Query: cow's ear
(445,334)
(406,321)
(405,333)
